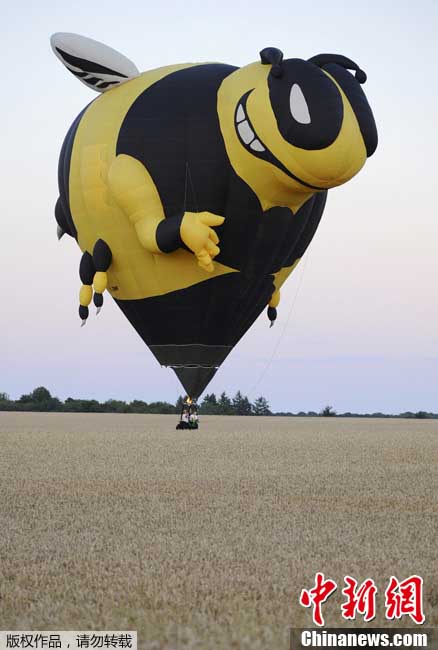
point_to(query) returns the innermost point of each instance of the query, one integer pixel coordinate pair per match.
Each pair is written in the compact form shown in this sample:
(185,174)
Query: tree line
(40,399)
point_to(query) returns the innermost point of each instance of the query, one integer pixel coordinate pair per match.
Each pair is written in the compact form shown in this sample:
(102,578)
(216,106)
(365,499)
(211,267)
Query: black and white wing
(95,64)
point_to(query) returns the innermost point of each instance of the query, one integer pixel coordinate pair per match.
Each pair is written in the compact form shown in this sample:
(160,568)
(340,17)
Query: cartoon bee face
(305,123)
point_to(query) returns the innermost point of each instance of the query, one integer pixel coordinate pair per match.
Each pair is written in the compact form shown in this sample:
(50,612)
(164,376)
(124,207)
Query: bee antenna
(273,56)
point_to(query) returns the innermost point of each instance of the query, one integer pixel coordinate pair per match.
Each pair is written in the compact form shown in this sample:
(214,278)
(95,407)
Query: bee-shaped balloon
(193,190)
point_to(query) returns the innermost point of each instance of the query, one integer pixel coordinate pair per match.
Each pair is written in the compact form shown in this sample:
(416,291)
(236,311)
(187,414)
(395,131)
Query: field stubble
(205,539)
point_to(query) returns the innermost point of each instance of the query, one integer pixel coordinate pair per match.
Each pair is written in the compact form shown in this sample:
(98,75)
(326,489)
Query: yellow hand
(197,234)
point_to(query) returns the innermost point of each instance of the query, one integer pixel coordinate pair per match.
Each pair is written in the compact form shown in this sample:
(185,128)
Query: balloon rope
(185,188)
(192,186)
(280,338)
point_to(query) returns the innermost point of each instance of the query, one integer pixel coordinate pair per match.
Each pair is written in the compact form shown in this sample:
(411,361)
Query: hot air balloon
(193,190)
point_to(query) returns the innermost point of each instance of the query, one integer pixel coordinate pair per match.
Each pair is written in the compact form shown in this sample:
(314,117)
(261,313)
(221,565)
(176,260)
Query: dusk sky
(358,320)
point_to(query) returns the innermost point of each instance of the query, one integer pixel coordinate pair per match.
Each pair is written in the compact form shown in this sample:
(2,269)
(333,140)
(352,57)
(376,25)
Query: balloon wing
(98,66)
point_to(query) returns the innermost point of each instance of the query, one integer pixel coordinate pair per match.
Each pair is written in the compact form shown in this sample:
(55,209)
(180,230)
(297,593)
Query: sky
(357,326)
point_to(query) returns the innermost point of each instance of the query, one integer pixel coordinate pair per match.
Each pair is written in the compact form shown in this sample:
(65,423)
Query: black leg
(86,273)
(102,258)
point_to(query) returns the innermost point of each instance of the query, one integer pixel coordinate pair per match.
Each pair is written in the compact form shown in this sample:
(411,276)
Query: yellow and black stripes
(272,306)
(102,258)
(86,274)
(63,212)
(92,272)
(194,190)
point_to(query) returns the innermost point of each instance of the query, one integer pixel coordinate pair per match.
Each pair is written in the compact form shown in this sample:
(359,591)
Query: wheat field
(205,539)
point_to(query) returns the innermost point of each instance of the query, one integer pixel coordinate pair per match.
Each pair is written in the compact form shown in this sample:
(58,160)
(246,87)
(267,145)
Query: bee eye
(298,105)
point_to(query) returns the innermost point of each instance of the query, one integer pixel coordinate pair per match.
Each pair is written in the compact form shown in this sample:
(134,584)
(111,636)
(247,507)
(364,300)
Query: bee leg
(272,306)
(86,273)
(102,258)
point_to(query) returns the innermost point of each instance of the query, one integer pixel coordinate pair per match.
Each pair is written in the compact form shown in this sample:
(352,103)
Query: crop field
(204,539)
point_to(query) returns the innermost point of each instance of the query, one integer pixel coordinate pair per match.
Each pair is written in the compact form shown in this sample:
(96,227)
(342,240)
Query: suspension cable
(283,332)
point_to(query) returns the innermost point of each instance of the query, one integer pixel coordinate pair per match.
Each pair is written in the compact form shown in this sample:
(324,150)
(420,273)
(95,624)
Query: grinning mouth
(252,143)
(244,128)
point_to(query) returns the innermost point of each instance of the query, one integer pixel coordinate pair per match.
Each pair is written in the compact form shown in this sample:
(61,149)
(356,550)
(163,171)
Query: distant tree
(209,405)
(225,406)
(68,401)
(5,402)
(72,405)
(39,399)
(40,394)
(261,406)
(241,404)
(81,405)
(179,404)
(407,414)
(161,407)
(422,415)
(328,412)
(115,406)
(138,406)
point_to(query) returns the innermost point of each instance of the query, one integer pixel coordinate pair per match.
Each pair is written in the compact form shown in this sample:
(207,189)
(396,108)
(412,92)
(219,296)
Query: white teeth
(240,115)
(245,132)
(257,145)
(298,105)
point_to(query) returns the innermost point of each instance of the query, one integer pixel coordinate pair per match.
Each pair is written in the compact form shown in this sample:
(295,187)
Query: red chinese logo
(317,596)
(402,598)
(405,599)
(361,600)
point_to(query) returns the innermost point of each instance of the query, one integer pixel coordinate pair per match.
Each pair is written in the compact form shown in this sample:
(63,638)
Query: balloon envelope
(194,190)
